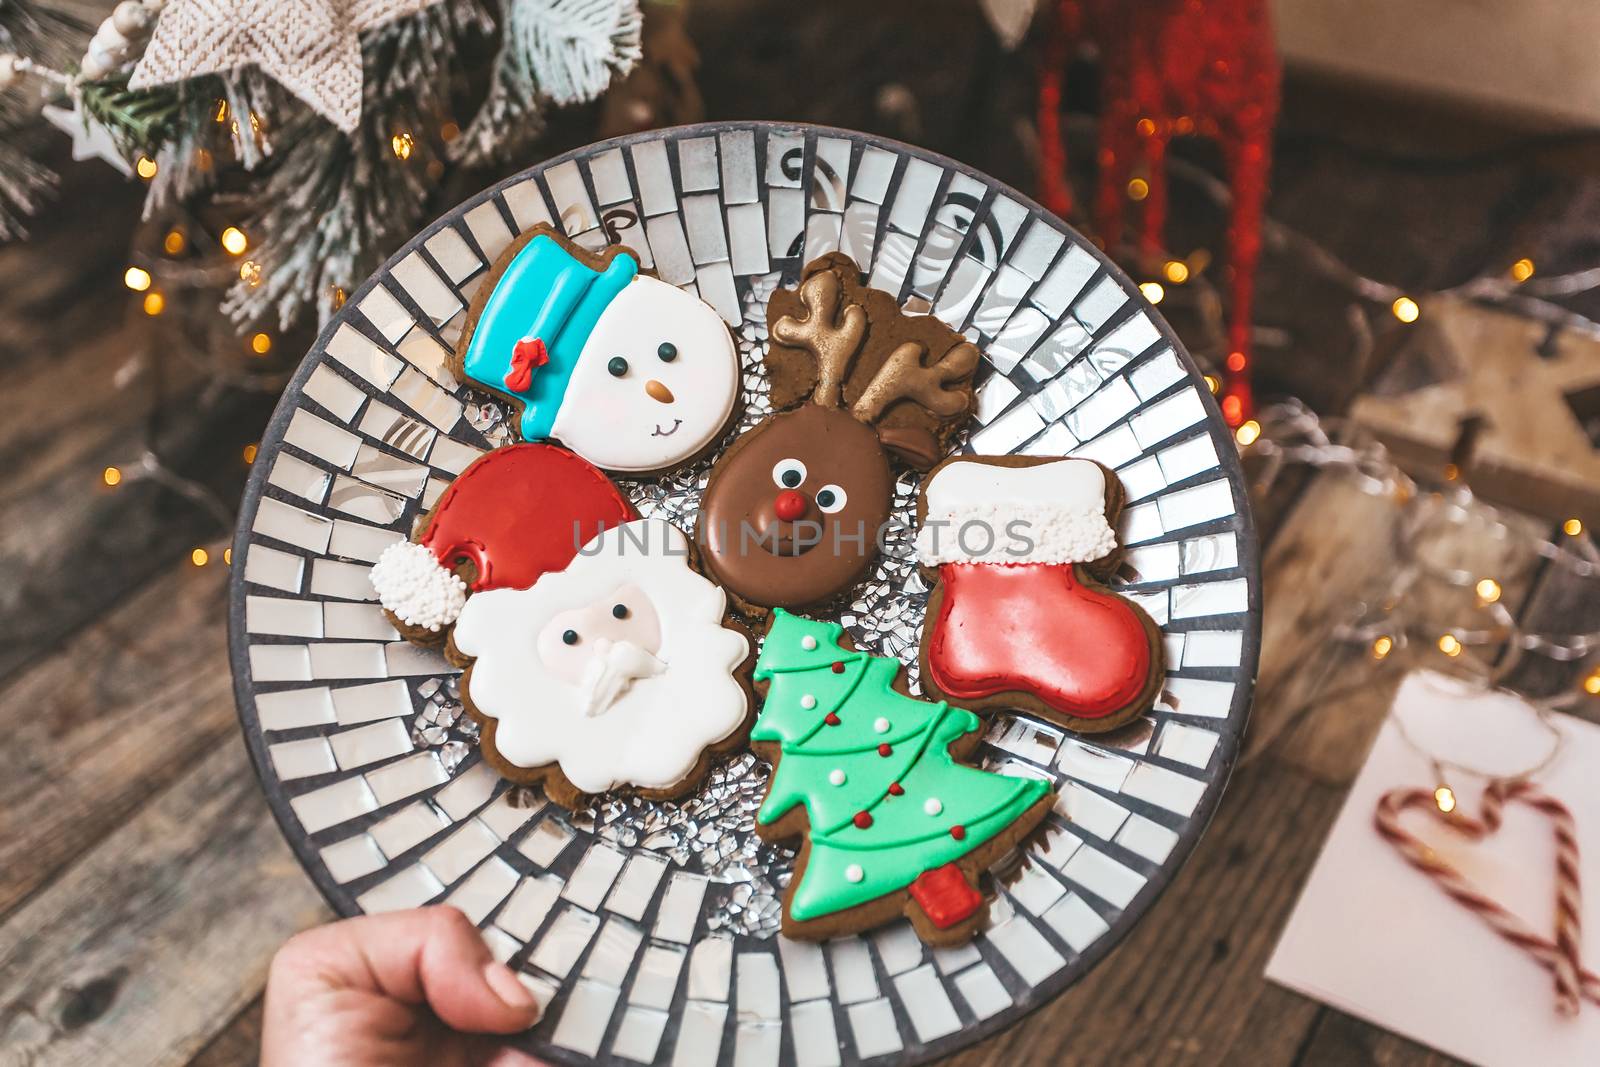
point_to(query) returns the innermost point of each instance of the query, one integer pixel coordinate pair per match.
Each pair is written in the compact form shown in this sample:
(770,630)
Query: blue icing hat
(533,327)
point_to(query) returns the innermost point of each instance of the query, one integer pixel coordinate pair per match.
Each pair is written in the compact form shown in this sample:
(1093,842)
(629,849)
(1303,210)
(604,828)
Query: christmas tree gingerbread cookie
(869,780)
(634,375)
(793,511)
(597,657)
(1018,549)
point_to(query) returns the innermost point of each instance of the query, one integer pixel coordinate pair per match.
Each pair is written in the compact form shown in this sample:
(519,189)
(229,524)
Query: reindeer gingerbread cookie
(793,511)
(597,657)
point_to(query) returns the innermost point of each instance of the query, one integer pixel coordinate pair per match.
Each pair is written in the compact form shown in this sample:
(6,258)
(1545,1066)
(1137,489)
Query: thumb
(431,956)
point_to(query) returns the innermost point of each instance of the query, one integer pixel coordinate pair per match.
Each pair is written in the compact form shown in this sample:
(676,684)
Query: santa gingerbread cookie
(634,375)
(793,511)
(597,658)
(1018,549)
(870,782)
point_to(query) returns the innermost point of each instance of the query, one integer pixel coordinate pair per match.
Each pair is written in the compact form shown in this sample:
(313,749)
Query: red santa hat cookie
(513,515)
(1018,548)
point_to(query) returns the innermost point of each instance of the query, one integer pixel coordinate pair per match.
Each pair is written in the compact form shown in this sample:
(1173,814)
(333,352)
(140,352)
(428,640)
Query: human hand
(406,989)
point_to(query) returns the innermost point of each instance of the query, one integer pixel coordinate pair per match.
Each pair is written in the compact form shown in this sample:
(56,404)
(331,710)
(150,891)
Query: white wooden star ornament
(90,140)
(310,47)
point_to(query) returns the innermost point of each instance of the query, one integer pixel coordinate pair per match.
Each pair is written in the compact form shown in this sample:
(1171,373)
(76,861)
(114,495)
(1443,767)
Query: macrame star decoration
(310,47)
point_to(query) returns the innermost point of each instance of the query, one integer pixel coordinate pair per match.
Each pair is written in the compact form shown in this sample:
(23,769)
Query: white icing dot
(854,873)
(836,776)
(808,702)
(881,725)
(932,806)
(808,642)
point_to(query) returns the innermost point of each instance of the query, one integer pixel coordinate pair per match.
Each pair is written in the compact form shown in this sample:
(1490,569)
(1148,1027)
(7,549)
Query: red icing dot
(958,831)
(863,820)
(838,666)
(884,750)
(790,505)
(831,719)
(895,789)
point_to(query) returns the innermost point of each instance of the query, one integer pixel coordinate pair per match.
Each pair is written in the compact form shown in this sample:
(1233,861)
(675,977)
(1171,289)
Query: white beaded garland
(854,873)
(881,725)
(808,643)
(808,702)
(932,806)
(836,776)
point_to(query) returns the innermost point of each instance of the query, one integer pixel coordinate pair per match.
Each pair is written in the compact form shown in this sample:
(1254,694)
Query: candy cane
(1562,955)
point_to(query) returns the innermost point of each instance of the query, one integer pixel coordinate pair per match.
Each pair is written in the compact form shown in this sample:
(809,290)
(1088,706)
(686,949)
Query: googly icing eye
(619,611)
(667,351)
(570,637)
(618,366)
(789,474)
(831,498)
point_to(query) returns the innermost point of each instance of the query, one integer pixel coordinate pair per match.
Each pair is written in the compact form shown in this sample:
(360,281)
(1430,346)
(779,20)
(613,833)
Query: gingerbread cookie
(794,509)
(597,657)
(868,779)
(634,375)
(1018,549)
(619,671)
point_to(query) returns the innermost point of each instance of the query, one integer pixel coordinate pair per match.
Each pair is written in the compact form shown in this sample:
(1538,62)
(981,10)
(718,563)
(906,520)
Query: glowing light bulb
(261,344)
(1382,646)
(111,476)
(402,143)
(175,242)
(136,278)
(1572,527)
(1248,432)
(250,453)
(234,242)
(1152,291)
(1235,361)
(154,304)
(250,273)
(1522,269)
(1449,645)
(1591,684)
(1405,309)
(200,557)
(1488,590)
(1445,798)
(1145,128)
(227,556)
(1232,409)
(1213,383)
(1138,189)
(146,167)
(449,132)
(1177,271)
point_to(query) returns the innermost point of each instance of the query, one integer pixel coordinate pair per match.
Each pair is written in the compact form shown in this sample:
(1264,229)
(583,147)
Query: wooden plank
(113,715)
(1183,986)
(238,1043)
(149,945)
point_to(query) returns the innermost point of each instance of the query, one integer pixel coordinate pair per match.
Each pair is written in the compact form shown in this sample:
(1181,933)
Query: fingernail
(509,988)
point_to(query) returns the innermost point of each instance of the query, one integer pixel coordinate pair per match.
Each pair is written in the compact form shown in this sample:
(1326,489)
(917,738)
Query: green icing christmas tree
(888,807)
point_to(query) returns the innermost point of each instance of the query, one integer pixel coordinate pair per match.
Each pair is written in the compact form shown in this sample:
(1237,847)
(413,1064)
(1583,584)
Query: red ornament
(884,749)
(862,820)
(895,789)
(838,667)
(958,831)
(1172,68)
(528,355)
(945,896)
(831,719)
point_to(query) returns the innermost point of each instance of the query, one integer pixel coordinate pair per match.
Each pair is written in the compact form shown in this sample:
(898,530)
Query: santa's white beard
(650,734)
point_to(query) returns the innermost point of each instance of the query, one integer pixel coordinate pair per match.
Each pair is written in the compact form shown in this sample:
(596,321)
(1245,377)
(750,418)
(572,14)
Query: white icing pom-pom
(411,583)
(854,873)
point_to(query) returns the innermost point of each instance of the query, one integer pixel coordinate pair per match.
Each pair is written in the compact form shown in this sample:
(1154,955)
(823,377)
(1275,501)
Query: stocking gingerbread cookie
(596,656)
(1018,549)
(793,511)
(634,375)
(869,780)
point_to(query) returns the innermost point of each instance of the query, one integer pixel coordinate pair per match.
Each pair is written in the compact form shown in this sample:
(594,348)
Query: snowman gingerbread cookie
(1018,549)
(596,656)
(633,374)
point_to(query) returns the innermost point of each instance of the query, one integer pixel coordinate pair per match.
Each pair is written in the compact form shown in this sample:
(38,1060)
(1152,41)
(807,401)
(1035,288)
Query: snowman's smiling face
(655,384)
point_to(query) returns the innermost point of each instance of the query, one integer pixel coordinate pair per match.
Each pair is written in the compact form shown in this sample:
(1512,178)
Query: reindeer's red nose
(790,505)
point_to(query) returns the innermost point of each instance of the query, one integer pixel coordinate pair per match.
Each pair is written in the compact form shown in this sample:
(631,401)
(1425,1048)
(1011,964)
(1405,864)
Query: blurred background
(1384,213)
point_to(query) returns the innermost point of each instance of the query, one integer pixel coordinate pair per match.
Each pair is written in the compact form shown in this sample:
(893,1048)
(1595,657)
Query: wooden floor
(143,884)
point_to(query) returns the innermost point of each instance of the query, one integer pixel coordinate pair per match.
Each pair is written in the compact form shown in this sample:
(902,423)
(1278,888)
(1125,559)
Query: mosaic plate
(649,930)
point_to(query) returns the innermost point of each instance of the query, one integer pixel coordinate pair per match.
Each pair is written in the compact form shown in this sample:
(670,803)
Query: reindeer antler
(903,375)
(833,337)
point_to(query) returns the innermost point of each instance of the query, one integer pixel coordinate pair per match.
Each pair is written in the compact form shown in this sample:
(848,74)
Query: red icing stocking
(1035,628)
